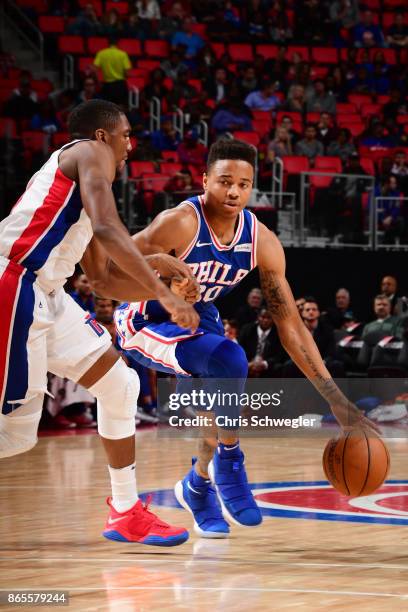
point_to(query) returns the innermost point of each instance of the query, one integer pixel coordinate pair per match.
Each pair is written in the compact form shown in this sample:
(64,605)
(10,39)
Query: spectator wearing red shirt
(190,151)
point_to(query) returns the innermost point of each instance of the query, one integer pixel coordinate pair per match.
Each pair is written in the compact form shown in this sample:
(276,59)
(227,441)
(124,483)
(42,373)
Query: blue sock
(229,451)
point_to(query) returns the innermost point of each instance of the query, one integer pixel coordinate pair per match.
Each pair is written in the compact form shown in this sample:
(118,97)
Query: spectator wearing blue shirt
(166,139)
(263,99)
(231,117)
(83,295)
(377,137)
(188,39)
(391,217)
(367,33)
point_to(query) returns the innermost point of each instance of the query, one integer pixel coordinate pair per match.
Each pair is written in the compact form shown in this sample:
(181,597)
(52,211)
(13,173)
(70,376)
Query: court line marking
(218,589)
(165,559)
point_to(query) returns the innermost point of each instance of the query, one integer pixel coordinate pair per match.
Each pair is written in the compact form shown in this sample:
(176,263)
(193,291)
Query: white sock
(124,489)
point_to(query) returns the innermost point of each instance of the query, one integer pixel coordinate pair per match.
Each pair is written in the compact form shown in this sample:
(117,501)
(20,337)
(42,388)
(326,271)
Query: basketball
(356,464)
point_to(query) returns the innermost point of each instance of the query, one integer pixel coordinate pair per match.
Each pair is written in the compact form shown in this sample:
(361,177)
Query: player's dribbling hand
(351,418)
(183,287)
(181,312)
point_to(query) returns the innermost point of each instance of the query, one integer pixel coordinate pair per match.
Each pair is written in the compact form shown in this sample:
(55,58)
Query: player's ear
(100,135)
(205,181)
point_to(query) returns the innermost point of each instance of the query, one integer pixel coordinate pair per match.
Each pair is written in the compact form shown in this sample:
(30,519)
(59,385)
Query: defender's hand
(181,313)
(185,288)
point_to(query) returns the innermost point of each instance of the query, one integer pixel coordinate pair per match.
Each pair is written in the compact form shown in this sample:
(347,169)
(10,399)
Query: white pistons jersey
(48,229)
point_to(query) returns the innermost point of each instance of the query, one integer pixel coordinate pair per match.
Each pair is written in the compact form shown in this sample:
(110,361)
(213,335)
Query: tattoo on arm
(326,386)
(273,293)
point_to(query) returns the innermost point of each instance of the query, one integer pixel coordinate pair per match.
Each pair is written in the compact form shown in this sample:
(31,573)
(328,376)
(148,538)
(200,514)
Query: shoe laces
(153,516)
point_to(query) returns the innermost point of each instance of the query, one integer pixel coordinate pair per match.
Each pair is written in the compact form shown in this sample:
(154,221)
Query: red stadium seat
(367,165)
(394,4)
(138,72)
(59,139)
(197,83)
(50,24)
(218,48)
(261,127)
(312,117)
(171,156)
(85,64)
(71,44)
(40,6)
(121,7)
(240,52)
(328,163)
(153,181)
(294,164)
(343,107)
(97,4)
(156,48)
(368,110)
(359,99)
(356,129)
(346,120)
(267,51)
(132,46)
(34,141)
(302,51)
(293,115)
(200,29)
(170,168)
(137,168)
(249,137)
(319,72)
(320,182)
(262,116)
(97,43)
(7,128)
(383,99)
(402,119)
(325,55)
(390,55)
(138,82)
(148,64)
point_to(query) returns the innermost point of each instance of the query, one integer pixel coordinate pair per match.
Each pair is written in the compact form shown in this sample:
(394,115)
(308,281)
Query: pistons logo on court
(319,501)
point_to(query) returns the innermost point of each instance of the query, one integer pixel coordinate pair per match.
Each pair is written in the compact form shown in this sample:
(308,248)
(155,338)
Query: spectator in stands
(277,68)
(309,145)
(45,119)
(190,151)
(400,170)
(188,39)
(296,100)
(171,22)
(326,132)
(321,101)
(231,14)
(65,103)
(230,329)
(263,99)
(300,302)
(293,135)
(313,13)
(389,287)
(86,23)
(367,33)
(280,145)
(113,24)
(380,81)
(397,104)
(376,136)
(248,82)
(114,64)
(7,61)
(262,346)
(145,150)
(155,87)
(83,295)
(343,146)
(344,13)
(166,138)
(257,28)
(178,187)
(148,9)
(218,85)
(384,322)
(339,314)
(278,23)
(230,117)
(397,35)
(22,105)
(391,216)
(173,66)
(104,310)
(361,82)
(197,110)
(182,90)
(134,27)
(90,89)
(247,313)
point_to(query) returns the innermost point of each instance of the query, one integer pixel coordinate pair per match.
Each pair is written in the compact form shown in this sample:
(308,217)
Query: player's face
(228,187)
(119,140)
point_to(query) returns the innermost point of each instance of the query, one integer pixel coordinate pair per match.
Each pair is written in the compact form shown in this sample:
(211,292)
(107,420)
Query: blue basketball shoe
(197,496)
(227,473)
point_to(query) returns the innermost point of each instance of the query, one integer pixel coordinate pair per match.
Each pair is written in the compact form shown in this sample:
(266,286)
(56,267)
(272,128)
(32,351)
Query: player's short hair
(90,116)
(231,149)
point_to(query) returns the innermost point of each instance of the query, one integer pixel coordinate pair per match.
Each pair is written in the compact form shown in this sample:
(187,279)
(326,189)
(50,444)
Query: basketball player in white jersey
(66,203)
(221,242)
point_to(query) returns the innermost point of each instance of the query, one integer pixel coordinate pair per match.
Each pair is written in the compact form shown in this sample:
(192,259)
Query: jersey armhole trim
(194,240)
(254,234)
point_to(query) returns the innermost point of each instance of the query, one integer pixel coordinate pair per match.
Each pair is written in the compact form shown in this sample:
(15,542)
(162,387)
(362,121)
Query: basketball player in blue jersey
(221,242)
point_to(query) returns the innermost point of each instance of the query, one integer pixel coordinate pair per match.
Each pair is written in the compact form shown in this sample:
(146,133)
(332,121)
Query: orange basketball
(355,463)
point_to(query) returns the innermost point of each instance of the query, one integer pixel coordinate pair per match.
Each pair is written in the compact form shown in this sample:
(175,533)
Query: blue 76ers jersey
(218,268)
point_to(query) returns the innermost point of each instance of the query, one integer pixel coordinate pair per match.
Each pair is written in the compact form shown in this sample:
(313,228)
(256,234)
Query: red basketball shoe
(142,526)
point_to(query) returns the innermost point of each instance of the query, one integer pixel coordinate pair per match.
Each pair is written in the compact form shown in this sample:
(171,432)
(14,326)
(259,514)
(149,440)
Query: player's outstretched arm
(96,171)
(294,335)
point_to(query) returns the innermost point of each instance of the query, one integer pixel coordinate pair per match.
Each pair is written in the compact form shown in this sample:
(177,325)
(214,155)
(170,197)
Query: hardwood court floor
(53,510)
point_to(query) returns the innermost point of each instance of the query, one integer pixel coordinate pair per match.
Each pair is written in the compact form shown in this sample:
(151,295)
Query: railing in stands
(134,97)
(69,72)
(203,133)
(178,122)
(12,16)
(277,180)
(155,113)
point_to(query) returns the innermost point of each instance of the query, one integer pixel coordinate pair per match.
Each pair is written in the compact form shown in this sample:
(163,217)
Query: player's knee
(117,393)
(228,360)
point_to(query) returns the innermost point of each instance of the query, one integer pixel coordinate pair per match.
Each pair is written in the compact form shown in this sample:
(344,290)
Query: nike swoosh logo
(200,244)
(116,520)
(193,490)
